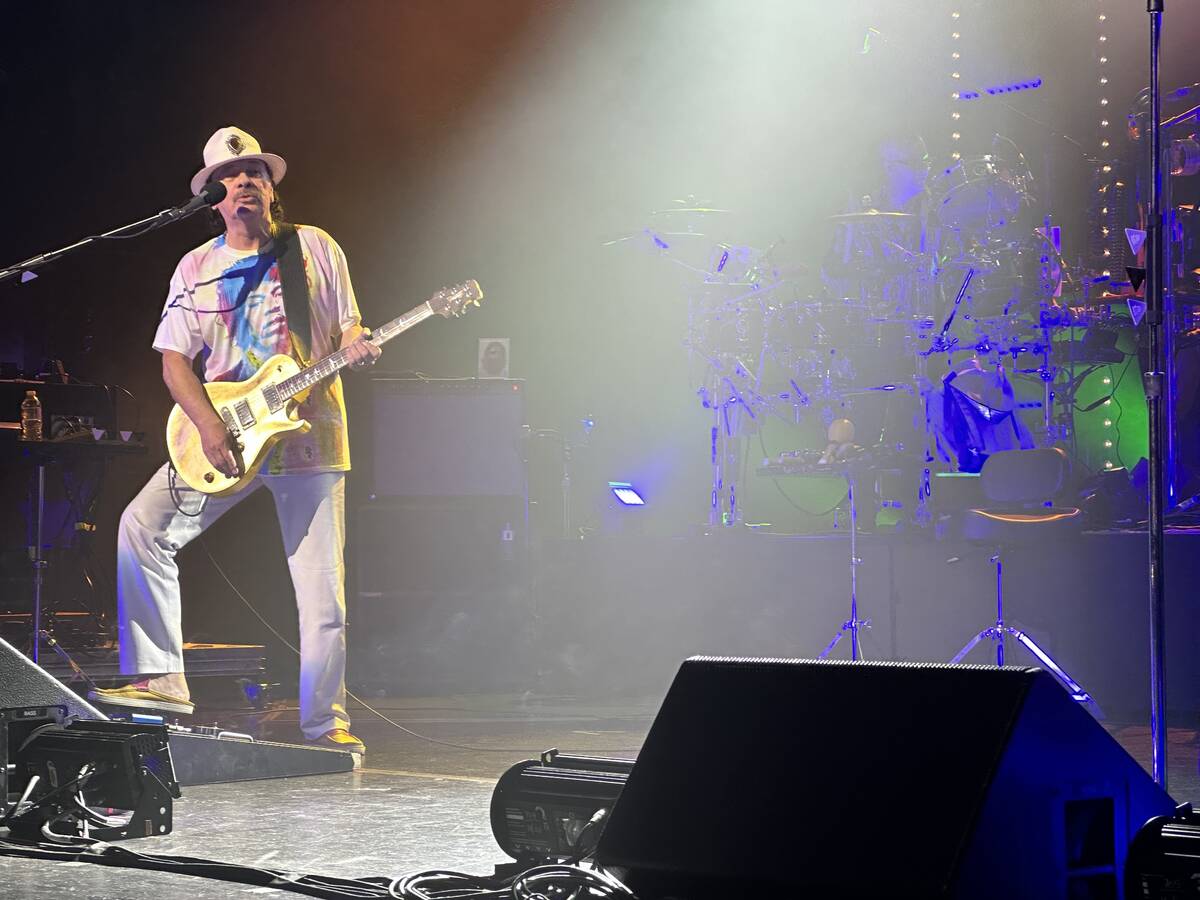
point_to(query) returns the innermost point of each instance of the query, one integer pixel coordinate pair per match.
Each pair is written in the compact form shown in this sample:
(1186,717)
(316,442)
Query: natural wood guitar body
(256,427)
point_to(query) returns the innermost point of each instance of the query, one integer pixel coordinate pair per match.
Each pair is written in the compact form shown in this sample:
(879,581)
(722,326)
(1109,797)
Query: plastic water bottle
(31,417)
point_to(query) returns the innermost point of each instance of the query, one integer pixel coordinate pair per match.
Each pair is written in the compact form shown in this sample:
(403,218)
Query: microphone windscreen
(213,192)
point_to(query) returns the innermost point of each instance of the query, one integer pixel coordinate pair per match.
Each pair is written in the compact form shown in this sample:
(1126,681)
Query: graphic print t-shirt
(228,305)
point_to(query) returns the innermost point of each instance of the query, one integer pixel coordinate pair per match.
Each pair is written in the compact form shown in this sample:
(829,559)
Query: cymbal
(869,215)
(700,210)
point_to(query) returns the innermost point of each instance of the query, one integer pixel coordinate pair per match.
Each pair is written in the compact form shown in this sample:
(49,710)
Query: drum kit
(940,332)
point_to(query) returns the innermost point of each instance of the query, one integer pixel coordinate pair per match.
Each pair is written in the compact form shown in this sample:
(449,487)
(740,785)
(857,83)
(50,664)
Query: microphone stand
(25,269)
(1155,383)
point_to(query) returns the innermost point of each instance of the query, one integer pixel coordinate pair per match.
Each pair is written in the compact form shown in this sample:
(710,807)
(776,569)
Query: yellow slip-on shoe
(340,739)
(142,698)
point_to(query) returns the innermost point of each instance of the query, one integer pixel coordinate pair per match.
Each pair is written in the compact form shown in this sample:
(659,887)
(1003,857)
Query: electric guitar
(262,409)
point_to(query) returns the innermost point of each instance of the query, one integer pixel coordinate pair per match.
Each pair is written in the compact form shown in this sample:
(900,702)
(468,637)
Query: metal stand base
(850,627)
(998,631)
(854,624)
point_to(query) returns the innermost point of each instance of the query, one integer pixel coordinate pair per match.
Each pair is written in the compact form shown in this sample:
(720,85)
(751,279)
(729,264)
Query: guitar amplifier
(447,437)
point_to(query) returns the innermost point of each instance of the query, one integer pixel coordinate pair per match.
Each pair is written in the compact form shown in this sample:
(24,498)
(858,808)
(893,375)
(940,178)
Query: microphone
(211,194)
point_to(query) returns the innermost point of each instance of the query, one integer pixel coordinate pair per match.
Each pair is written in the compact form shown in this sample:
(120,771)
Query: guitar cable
(176,498)
(367,706)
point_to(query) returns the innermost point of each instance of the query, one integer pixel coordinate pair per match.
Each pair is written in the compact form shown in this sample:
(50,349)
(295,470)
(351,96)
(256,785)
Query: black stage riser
(198,759)
(204,759)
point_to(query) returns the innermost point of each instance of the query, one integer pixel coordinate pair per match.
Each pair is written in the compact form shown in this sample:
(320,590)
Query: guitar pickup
(245,417)
(230,423)
(271,396)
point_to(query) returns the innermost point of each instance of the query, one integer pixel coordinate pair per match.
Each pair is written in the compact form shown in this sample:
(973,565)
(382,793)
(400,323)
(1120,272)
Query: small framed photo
(493,358)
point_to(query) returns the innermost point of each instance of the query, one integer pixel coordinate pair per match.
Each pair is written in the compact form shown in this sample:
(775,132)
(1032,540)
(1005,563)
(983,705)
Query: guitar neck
(339,359)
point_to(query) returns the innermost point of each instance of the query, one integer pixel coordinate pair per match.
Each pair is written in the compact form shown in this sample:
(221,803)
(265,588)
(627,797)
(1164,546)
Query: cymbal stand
(724,451)
(39,564)
(853,625)
(1047,373)
(728,402)
(943,341)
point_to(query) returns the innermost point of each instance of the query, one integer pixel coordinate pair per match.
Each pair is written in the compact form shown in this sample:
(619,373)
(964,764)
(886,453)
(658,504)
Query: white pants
(312,517)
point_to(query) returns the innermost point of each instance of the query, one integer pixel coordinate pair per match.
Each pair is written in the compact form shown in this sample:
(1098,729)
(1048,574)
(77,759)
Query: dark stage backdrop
(510,142)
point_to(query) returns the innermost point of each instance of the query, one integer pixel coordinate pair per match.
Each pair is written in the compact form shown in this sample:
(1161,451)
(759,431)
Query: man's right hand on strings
(218,446)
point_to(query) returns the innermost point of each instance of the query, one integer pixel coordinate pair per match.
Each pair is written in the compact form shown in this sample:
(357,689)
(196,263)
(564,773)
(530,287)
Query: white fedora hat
(231,143)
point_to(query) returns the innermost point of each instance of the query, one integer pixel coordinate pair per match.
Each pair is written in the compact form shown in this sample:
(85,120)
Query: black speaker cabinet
(789,778)
(447,507)
(442,601)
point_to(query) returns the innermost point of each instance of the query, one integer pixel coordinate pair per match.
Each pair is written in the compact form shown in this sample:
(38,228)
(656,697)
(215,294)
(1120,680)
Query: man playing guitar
(226,302)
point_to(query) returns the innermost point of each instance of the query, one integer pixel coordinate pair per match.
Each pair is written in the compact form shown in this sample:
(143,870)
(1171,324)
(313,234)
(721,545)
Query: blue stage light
(1031,85)
(626,493)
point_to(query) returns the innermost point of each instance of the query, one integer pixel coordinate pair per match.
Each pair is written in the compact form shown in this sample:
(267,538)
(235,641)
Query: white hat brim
(274,163)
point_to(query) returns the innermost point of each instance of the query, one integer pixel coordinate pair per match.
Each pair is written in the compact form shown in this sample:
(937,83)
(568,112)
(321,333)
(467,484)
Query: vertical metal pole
(999,611)
(855,650)
(566,490)
(39,564)
(1155,383)
(714,503)
(1170,439)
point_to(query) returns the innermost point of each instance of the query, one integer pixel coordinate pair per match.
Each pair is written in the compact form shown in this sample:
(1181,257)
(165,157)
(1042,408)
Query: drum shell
(984,195)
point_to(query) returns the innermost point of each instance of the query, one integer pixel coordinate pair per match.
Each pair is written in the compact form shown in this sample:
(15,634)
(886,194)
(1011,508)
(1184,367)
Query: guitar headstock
(454,300)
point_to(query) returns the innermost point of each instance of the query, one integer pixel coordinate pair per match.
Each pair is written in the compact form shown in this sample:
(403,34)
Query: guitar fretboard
(339,359)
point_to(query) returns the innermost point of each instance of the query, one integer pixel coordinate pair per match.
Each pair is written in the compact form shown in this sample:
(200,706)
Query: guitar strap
(297,303)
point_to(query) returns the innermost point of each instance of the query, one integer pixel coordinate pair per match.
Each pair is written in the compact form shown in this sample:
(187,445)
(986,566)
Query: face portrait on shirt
(249,190)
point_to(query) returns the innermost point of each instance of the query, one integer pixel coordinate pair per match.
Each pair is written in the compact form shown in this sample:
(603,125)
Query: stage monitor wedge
(852,780)
(24,683)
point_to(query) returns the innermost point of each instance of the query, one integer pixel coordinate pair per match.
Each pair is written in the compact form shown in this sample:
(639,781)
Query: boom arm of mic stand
(25,268)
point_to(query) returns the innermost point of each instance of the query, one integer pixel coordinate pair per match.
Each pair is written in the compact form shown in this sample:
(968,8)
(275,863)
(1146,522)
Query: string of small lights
(956,83)
(1107,231)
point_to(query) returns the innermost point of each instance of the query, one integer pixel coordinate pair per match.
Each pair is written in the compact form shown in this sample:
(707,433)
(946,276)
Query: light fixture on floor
(626,493)
(87,778)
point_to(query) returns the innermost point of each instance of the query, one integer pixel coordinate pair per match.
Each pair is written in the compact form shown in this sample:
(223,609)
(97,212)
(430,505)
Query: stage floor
(415,805)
